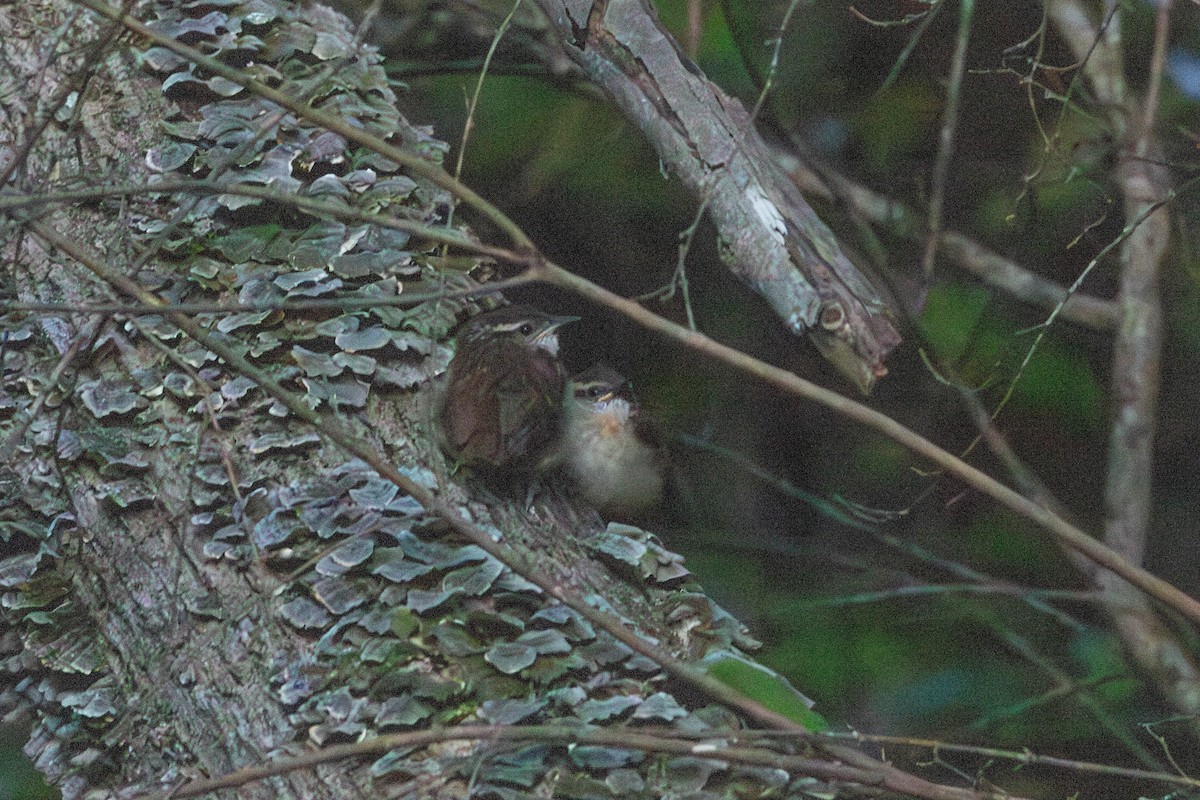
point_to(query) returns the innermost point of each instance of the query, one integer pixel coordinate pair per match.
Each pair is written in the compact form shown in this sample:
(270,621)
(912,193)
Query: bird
(610,451)
(502,407)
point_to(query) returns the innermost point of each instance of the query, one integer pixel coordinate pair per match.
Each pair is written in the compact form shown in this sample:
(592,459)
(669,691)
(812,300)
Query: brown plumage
(502,409)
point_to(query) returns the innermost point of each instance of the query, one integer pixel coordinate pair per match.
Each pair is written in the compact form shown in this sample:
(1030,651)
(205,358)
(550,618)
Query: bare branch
(959,249)
(886,774)
(1066,533)
(1139,338)
(770,237)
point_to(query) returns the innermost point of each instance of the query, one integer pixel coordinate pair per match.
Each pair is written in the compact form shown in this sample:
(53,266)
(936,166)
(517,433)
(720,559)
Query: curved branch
(879,771)
(1065,532)
(1138,343)
(770,237)
(959,249)
(416,164)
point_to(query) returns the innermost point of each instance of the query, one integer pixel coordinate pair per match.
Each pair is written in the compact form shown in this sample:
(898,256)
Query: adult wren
(609,450)
(501,413)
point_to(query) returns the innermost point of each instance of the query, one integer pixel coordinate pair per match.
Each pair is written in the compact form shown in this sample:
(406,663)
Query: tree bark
(195,580)
(198,576)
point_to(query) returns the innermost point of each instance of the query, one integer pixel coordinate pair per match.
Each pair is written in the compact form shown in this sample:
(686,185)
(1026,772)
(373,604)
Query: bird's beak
(548,339)
(558,322)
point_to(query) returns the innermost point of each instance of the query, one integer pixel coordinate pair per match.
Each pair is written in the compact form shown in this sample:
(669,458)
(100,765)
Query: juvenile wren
(501,413)
(609,450)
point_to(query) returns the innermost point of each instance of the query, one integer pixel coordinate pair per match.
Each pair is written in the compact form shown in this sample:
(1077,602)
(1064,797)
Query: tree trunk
(195,579)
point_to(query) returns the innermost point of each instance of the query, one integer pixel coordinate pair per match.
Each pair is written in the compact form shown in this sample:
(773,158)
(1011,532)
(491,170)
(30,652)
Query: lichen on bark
(194,579)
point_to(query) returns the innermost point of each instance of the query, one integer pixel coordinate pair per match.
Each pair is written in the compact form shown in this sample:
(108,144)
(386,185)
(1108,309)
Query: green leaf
(763,685)
(246,243)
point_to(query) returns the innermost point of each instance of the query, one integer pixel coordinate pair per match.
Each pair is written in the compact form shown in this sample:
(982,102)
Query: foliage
(1031,178)
(383,618)
(934,615)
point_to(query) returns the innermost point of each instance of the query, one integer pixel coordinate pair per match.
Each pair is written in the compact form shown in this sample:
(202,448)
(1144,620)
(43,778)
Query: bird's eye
(526,329)
(595,391)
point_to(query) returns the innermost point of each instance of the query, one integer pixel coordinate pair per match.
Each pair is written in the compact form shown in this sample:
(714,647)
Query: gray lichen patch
(183,556)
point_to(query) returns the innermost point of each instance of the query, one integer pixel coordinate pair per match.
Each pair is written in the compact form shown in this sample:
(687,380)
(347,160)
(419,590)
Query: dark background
(887,628)
(918,620)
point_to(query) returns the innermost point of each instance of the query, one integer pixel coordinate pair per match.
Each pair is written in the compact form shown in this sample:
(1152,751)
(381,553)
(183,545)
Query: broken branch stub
(770,238)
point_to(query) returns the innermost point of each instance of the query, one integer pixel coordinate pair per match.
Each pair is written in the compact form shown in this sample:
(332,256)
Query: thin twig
(648,740)
(941,164)
(884,774)
(1065,686)
(333,304)
(309,205)
(1022,757)
(415,164)
(474,102)
(72,83)
(83,339)
(956,247)
(793,384)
